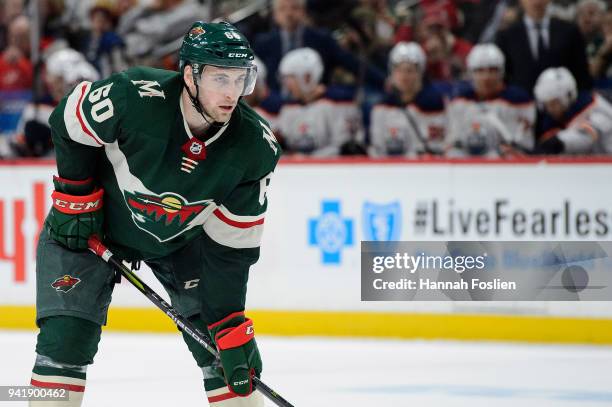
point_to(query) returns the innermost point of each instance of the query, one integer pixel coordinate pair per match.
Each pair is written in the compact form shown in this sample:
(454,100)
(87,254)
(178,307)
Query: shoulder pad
(337,93)
(582,102)
(390,99)
(464,90)
(273,103)
(515,95)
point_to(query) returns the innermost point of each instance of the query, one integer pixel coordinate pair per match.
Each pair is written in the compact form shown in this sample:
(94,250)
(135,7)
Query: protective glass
(233,81)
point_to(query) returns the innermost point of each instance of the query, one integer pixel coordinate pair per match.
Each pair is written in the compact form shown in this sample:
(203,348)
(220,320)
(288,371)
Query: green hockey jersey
(164,186)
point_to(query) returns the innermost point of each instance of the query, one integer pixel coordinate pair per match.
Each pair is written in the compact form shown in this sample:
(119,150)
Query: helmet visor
(234,82)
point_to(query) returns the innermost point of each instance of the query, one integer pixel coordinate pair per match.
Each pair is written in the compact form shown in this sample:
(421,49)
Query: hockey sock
(64,348)
(50,374)
(222,397)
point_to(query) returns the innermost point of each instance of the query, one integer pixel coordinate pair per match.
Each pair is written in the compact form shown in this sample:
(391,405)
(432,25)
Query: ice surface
(157,370)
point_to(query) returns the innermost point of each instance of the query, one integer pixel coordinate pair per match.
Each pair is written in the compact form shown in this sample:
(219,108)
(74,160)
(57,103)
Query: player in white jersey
(411,118)
(488,118)
(64,69)
(315,120)
(571,122)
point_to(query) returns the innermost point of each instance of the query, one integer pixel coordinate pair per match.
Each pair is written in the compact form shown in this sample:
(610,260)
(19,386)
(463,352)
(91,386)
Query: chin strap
(195,102)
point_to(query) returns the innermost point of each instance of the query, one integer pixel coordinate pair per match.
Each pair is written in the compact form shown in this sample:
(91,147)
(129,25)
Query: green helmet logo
(219,44)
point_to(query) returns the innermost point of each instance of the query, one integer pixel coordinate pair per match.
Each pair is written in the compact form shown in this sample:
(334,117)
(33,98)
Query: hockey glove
(552,145)
(76,213)
(240,359)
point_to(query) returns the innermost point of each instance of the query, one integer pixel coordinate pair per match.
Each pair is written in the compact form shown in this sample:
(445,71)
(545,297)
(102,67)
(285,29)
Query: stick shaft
(183,323)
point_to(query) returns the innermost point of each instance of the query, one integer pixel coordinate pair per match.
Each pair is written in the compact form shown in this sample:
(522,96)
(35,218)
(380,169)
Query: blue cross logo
(330,232)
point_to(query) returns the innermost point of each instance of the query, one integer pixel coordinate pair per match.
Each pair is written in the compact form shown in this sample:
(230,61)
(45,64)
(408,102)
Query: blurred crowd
(379,78)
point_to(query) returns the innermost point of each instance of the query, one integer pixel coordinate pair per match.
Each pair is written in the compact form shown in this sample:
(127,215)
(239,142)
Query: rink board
(298,289)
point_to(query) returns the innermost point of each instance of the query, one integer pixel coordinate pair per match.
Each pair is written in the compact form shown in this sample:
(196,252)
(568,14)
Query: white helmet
(407,52)
(262,72)
(71,66)
(486,56)
(556,83)
(82,71)
(305,64)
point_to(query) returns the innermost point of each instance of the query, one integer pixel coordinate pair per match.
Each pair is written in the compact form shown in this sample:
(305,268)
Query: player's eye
(221,80)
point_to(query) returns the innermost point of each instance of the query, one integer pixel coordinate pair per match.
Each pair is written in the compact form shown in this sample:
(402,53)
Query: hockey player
(571,122)
(63,70)
(411,119)
(172,169)
(486,117)
(315,120)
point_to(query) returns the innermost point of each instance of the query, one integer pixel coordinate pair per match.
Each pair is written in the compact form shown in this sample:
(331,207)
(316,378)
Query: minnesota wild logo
(65,283)
(196,32)
(165,216)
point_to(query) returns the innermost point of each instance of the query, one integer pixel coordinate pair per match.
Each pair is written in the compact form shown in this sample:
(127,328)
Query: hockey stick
(504,136)
(417,132)
(96,246)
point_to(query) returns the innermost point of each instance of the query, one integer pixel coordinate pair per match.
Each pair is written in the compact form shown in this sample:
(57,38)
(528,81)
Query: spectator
(589,18)
(571,122)
(64,69)
(123,6)
(15,66)
(486,117)
(53,24)
(482,19)
(102,47)
(551,42)
(599,63)
(316,120)
(411,118)
(291,34)
(447,8)
(446,53)
(372,31)
(404,17)
(150,30)
(330,15)
(9,9)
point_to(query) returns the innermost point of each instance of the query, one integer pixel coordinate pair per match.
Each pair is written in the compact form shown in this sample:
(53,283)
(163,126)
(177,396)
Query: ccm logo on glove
(77,204)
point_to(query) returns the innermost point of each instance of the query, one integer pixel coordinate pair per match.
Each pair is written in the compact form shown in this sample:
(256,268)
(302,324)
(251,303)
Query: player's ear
(188,78)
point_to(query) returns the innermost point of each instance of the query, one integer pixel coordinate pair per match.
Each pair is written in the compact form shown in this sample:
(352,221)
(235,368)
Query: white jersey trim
(238,232)
(77,126)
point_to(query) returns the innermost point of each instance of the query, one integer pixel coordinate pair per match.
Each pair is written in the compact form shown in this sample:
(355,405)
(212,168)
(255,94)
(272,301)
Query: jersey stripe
(224,398)
(221,397)
(58,382)
(238,232)
(74,119)
(242,222)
